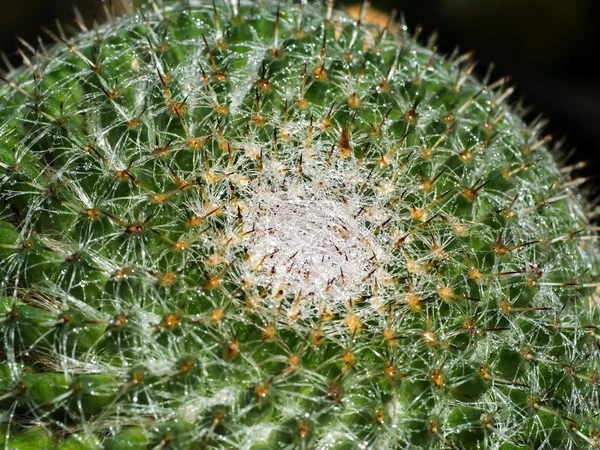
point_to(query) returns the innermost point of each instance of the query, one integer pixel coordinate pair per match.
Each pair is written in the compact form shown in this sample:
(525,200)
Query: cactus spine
(247,226)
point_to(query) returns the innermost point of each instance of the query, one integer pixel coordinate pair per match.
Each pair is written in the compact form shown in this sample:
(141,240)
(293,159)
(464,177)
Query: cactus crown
(272,226)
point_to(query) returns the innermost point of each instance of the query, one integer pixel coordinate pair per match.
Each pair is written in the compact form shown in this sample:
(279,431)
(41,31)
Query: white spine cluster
(311,234)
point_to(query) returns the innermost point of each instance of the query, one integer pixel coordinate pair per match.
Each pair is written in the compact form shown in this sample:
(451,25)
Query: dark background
(550,48)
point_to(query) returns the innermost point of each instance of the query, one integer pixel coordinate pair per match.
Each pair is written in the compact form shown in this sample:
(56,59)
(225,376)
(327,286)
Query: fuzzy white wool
(309,243)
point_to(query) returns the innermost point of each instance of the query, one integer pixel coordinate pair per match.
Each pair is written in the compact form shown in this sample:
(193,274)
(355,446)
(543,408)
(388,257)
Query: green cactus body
(274,227)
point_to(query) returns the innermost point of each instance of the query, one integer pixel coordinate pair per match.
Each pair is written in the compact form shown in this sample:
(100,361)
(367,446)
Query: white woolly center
(309,244)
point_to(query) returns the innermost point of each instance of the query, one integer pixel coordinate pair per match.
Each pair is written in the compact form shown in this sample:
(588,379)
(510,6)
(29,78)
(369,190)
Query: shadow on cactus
(271,226)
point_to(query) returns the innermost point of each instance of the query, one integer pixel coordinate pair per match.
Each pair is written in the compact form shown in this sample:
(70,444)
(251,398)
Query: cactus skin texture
(274,227)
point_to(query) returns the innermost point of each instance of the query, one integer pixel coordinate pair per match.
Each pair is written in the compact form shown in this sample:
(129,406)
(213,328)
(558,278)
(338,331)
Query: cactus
(245,226)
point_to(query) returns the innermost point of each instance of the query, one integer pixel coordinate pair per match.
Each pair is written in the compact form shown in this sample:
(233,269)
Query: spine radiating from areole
(270,226)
